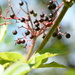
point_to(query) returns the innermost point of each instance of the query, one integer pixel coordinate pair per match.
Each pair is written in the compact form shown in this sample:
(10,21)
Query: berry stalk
(31,49)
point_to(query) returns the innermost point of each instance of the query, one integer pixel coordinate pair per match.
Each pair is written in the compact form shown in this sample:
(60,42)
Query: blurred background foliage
(67,25)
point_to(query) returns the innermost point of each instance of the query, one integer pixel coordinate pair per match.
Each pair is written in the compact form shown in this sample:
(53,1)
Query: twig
(30,50)
(5,23)
(23,10)
(29,14)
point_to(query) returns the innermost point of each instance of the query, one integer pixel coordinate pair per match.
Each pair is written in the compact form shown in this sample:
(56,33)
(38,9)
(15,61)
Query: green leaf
(52,64)
(6,65)
(42,56)
(53,51)
(3,61)
(45,53)
(1,69)
(22,70)
(18,68)
(6,57)
(3,30)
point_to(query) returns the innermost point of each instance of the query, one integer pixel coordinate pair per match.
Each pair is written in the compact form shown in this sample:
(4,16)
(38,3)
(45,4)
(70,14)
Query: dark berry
(14,32)
(49,7)
(48,24)
(31,37)
(54,34)
(53,6)
(35,21)
(68,35)
(43,36)
(22,19)
(37,28)
(27,32)
(22,41)
(50,15)
(50,2)
(59,36)
(42,15)
(50,20)
(21,3)
(41,20)
(12,15)
(36,24)
(18,41)
(32,12)
(45,18)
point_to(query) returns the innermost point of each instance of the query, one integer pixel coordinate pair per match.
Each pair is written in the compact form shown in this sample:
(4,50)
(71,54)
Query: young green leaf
(4,61)
(53,51)
(44,54)
(18,68)
(12,68)
(22,70)
(10,57)
(37,61)
(3,30)
(52,64)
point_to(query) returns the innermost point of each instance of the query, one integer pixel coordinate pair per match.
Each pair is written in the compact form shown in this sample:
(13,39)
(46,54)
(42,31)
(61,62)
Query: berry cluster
(39,25)
(58,34)
(34,28)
